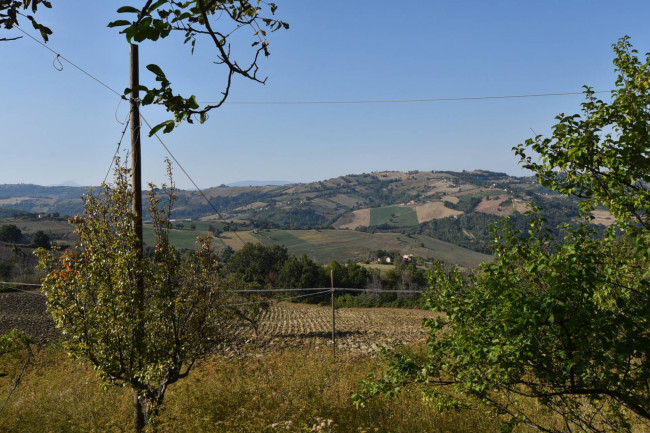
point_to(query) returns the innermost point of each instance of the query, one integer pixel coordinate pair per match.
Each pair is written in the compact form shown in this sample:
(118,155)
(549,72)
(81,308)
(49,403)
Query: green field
(60,232)
(395,216)
(323,246)
(184,238)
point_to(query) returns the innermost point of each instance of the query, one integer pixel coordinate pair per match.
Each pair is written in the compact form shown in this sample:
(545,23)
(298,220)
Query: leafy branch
(196,19)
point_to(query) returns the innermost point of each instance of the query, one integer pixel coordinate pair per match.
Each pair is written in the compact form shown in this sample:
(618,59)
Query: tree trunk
(139,411)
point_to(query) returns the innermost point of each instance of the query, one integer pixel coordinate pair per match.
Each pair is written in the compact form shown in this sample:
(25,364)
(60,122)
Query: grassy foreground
(296,391)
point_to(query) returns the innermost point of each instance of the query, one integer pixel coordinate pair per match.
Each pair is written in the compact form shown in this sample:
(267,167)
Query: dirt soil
(493,206)
(603,217)
(284,325)
(359,218)
(357,329)
(25,310)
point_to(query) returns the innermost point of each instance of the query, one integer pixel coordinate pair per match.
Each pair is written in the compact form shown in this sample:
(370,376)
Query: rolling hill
(345,217)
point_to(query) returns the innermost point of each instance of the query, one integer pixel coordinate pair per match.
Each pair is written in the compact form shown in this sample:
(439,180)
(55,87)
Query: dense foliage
(10,233)
(562,324)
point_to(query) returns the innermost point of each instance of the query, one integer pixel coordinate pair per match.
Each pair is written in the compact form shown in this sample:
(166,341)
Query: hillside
(454,207)
(390,198)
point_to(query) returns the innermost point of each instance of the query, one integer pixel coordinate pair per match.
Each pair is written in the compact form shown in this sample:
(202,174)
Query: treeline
(472,230)
(17,261)
(272,267)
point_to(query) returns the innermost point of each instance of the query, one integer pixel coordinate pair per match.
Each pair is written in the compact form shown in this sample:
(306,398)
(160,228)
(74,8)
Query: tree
(10,233)
(257,263)
(601,156)
(11,11)
(194,19)
(144,341)
(41,240)
(562,324)
(301,273)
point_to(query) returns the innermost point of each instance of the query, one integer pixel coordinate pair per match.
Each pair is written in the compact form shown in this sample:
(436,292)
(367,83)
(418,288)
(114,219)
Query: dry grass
(359,218)
(390,175)
(603,217)
(291,391)
(434,210)
(255,205)
(236,240)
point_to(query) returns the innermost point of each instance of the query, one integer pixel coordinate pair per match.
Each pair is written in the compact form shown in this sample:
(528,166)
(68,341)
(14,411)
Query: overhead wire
(402,101)
(60,57)
(326,102)
(189,177)
(119,143)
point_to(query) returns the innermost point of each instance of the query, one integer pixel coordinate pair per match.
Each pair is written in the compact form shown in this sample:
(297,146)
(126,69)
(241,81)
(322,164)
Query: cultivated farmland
(395,216)
(282,326)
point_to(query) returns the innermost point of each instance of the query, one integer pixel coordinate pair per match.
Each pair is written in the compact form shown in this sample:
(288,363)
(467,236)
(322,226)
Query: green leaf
(128,9)
(156,70)
(157,5)
(119,23)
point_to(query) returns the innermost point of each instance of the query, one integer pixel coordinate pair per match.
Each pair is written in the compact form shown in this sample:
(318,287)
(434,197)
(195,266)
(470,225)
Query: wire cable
(20,284)
(322,289)
(190,178)
(59,57)
(279,290)
(404,101)
(119,143)
(281,299)
(23,291)
(316,102)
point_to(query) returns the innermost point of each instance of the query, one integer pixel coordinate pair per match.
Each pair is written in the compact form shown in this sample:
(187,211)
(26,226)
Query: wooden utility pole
(333,316)
(136,207)
(136,159)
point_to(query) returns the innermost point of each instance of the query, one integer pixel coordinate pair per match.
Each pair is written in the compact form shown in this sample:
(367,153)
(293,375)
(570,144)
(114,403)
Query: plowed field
(357,329)
(283,325)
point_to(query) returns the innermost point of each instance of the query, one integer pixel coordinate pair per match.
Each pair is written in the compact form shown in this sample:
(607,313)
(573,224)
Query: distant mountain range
(261,183)
(67,183)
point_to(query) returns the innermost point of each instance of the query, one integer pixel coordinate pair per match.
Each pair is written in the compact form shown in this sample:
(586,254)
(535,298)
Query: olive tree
(143,340)
(560,327)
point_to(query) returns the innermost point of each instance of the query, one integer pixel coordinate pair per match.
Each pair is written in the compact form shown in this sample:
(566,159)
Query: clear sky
(61,126)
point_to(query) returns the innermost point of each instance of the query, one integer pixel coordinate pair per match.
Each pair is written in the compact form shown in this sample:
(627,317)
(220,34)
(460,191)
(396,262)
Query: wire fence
(289,323)
(316,290)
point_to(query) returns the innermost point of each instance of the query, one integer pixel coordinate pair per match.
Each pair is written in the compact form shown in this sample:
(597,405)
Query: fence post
(333,316)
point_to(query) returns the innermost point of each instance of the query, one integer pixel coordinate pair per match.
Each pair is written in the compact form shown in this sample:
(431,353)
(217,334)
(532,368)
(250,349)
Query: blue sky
(60,126)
